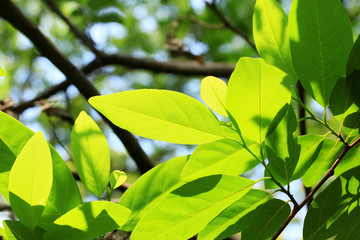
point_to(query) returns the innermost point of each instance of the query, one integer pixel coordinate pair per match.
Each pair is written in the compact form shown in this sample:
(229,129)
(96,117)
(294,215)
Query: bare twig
(200,22)
(87,41)
(212,5)
(10,12)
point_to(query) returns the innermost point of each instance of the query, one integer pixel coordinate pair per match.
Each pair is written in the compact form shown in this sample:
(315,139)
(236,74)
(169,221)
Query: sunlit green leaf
(230,216)
(117,178)
(30,181)
(282,148)
(336,209)
(225,156)
(256,92)
(15,230)
(329,152)
(91,154)
(213,93)
(88,221)
(150,188)
(64,194)
(320,43)
(160,114)
(188,209)
(270,29)
(2,72)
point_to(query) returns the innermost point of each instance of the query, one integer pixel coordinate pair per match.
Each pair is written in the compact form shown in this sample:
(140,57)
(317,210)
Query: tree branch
(13,15)
(212,5)
(80,35)
(185,68)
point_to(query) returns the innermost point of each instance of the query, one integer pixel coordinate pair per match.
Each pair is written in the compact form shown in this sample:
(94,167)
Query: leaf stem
(322,122)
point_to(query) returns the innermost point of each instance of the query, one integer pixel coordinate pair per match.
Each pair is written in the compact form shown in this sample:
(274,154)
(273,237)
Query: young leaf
(213,93)
(225,156)
(230,216)
(320,43)
(88,221)
(188,209)
(15,230)
(150,188)
(256,93)
(329,152)
(117,178)
(270,28)
(64,194)
(2,72)
(91,154)
(282,149)
(335,210)
(161,115)
(30,181)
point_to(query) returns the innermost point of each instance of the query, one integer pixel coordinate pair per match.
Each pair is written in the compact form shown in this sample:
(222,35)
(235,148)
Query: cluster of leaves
(204,193)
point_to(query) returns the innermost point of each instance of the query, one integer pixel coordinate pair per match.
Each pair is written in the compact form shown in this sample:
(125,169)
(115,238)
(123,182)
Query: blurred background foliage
(156,29)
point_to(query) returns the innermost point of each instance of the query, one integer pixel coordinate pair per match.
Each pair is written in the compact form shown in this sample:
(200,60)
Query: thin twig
(212,5)
(87,41)
(202,23)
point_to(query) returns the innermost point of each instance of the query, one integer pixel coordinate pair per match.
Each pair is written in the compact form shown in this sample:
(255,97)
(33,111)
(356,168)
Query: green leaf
(310,150)
(224,221)
(161,115)
(7,160)
(335,210)
(270,28)
(282,149)
(117,178)
(15,230)
(225,156)
(108,15)
(91,154)
(265,220)
(150,188)
(354,58)
(213,93)
(342,100)
(320,43)
(188,209)
(329,152)
(256,93)
(2,72)
(64,194)
(88,221)
(30,181)
(349,161)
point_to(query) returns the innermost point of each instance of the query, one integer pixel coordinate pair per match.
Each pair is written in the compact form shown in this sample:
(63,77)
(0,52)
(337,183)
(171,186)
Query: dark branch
(13,15)
(185,68)
(212,5)
(80,35)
